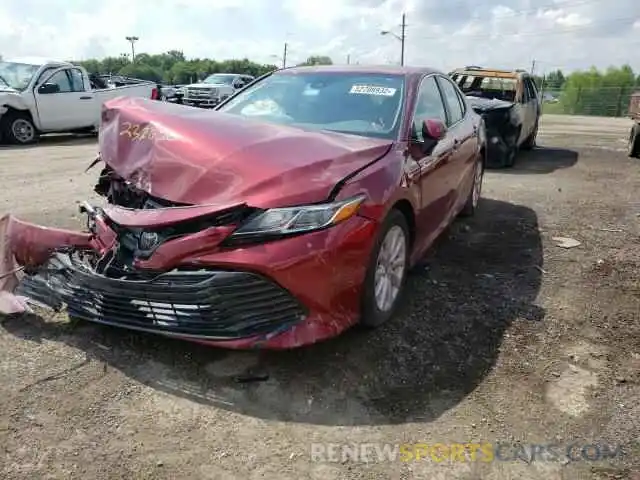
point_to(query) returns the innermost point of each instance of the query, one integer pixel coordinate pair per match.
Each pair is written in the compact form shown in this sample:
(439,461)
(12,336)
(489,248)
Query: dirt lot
(505,337)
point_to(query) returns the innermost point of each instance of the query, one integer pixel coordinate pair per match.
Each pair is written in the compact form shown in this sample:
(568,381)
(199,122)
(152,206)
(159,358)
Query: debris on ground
(566,242)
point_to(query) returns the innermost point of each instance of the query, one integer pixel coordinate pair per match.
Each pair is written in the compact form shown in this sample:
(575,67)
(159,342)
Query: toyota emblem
(148,240)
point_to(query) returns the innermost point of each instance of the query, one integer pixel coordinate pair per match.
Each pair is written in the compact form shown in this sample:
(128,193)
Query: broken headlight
(278,222)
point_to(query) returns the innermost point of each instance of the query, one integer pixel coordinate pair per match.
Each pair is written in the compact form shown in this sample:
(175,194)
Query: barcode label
(371,90)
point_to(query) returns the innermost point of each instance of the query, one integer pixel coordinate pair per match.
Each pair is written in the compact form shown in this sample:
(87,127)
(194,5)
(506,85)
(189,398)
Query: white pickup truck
(47,96)
(214,89)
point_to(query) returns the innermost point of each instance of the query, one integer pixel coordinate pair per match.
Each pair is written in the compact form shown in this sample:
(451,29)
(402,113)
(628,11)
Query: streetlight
(400,37)
(132,40)
(282,58)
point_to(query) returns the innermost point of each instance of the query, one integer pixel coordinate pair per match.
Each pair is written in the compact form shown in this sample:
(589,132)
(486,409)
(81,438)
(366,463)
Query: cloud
(508,33)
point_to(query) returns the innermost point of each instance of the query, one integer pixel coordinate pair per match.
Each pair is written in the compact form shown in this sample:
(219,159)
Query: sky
(443,34)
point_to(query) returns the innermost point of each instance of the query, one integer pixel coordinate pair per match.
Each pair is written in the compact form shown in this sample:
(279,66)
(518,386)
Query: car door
(70,107)
(433,172)
(533,107)
(463,132)
(523,109)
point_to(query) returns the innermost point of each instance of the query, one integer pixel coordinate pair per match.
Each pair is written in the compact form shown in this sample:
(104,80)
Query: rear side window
(452,101)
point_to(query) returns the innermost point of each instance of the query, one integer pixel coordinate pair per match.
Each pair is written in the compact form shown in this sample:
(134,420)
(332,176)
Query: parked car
(46,96)
(290,214)
(510,104)
(214,89)
(634,136)
(171,93)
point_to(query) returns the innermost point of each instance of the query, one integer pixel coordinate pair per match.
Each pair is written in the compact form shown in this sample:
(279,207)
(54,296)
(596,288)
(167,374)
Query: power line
(546,6)
(540,32)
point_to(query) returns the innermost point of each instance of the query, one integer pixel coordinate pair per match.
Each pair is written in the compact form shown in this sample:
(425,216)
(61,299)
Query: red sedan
(287,215)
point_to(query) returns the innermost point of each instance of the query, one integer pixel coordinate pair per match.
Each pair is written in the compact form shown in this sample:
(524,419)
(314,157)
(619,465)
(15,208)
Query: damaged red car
(287,215)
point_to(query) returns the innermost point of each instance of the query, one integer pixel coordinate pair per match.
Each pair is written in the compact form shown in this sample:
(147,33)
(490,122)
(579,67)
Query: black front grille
(200,303)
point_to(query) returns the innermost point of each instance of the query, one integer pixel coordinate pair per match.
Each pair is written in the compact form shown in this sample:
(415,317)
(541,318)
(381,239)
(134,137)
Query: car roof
(37,61)
(490,72)
(383,69)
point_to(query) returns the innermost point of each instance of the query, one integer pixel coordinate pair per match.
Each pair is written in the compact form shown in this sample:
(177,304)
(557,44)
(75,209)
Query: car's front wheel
(18,128)
(387,271)
(530,142)
(634,141)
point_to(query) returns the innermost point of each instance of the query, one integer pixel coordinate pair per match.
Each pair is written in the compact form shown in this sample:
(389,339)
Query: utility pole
(132,40)
(284,56)
(402,38)
(533,66)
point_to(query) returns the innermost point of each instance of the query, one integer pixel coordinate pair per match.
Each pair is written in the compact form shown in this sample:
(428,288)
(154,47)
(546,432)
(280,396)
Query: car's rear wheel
(473,199)
(387,271)
(634,141)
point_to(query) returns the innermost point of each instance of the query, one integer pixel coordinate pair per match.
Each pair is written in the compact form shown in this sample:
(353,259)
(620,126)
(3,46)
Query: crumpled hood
(480,104)
(194,156)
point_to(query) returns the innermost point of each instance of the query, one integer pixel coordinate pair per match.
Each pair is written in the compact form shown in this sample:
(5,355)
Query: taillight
(154,94)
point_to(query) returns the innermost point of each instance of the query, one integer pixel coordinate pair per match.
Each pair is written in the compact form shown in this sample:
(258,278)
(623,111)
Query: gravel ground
(505,337)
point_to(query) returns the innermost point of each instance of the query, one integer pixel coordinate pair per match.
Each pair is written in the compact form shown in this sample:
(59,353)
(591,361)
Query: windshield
(219,78)
(347,102)
(17,75)
(487,87)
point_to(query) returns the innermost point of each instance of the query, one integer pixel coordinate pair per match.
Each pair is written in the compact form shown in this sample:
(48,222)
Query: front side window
(429,106)
(62,80)
(365,104)
(17,75)
(77,80)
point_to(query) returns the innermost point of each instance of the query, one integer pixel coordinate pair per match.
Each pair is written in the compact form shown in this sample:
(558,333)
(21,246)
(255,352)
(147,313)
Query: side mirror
(47,88)
(433,129)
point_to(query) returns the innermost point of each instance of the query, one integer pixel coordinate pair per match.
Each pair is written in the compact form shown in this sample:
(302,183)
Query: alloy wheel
(23,130)
(390,268)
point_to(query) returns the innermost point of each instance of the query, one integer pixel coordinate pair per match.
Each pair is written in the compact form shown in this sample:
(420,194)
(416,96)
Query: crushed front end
(98,276)
(150,265)
(502,126)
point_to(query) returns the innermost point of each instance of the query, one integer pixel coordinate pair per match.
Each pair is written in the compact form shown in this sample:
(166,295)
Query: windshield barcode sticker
(371,90)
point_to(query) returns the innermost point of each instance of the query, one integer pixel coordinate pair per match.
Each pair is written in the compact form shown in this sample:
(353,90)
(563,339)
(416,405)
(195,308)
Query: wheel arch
(404,206)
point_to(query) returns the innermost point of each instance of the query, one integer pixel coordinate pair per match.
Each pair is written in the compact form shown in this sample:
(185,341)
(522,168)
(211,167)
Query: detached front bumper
(278,295)
(201,304)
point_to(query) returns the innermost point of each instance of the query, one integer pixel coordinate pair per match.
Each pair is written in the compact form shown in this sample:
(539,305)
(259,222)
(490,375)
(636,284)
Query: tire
(17,128)
(510,157)
(634,141)
(373,312)
(530,142)
(471,205)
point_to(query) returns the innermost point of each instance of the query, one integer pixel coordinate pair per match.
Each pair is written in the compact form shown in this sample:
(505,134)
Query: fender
(12,100)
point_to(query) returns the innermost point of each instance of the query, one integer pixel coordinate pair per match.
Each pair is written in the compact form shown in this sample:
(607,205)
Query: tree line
(590,92)
(173,68)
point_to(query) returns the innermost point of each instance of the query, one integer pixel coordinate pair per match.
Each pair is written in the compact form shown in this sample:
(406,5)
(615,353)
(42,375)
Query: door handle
(86,98)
